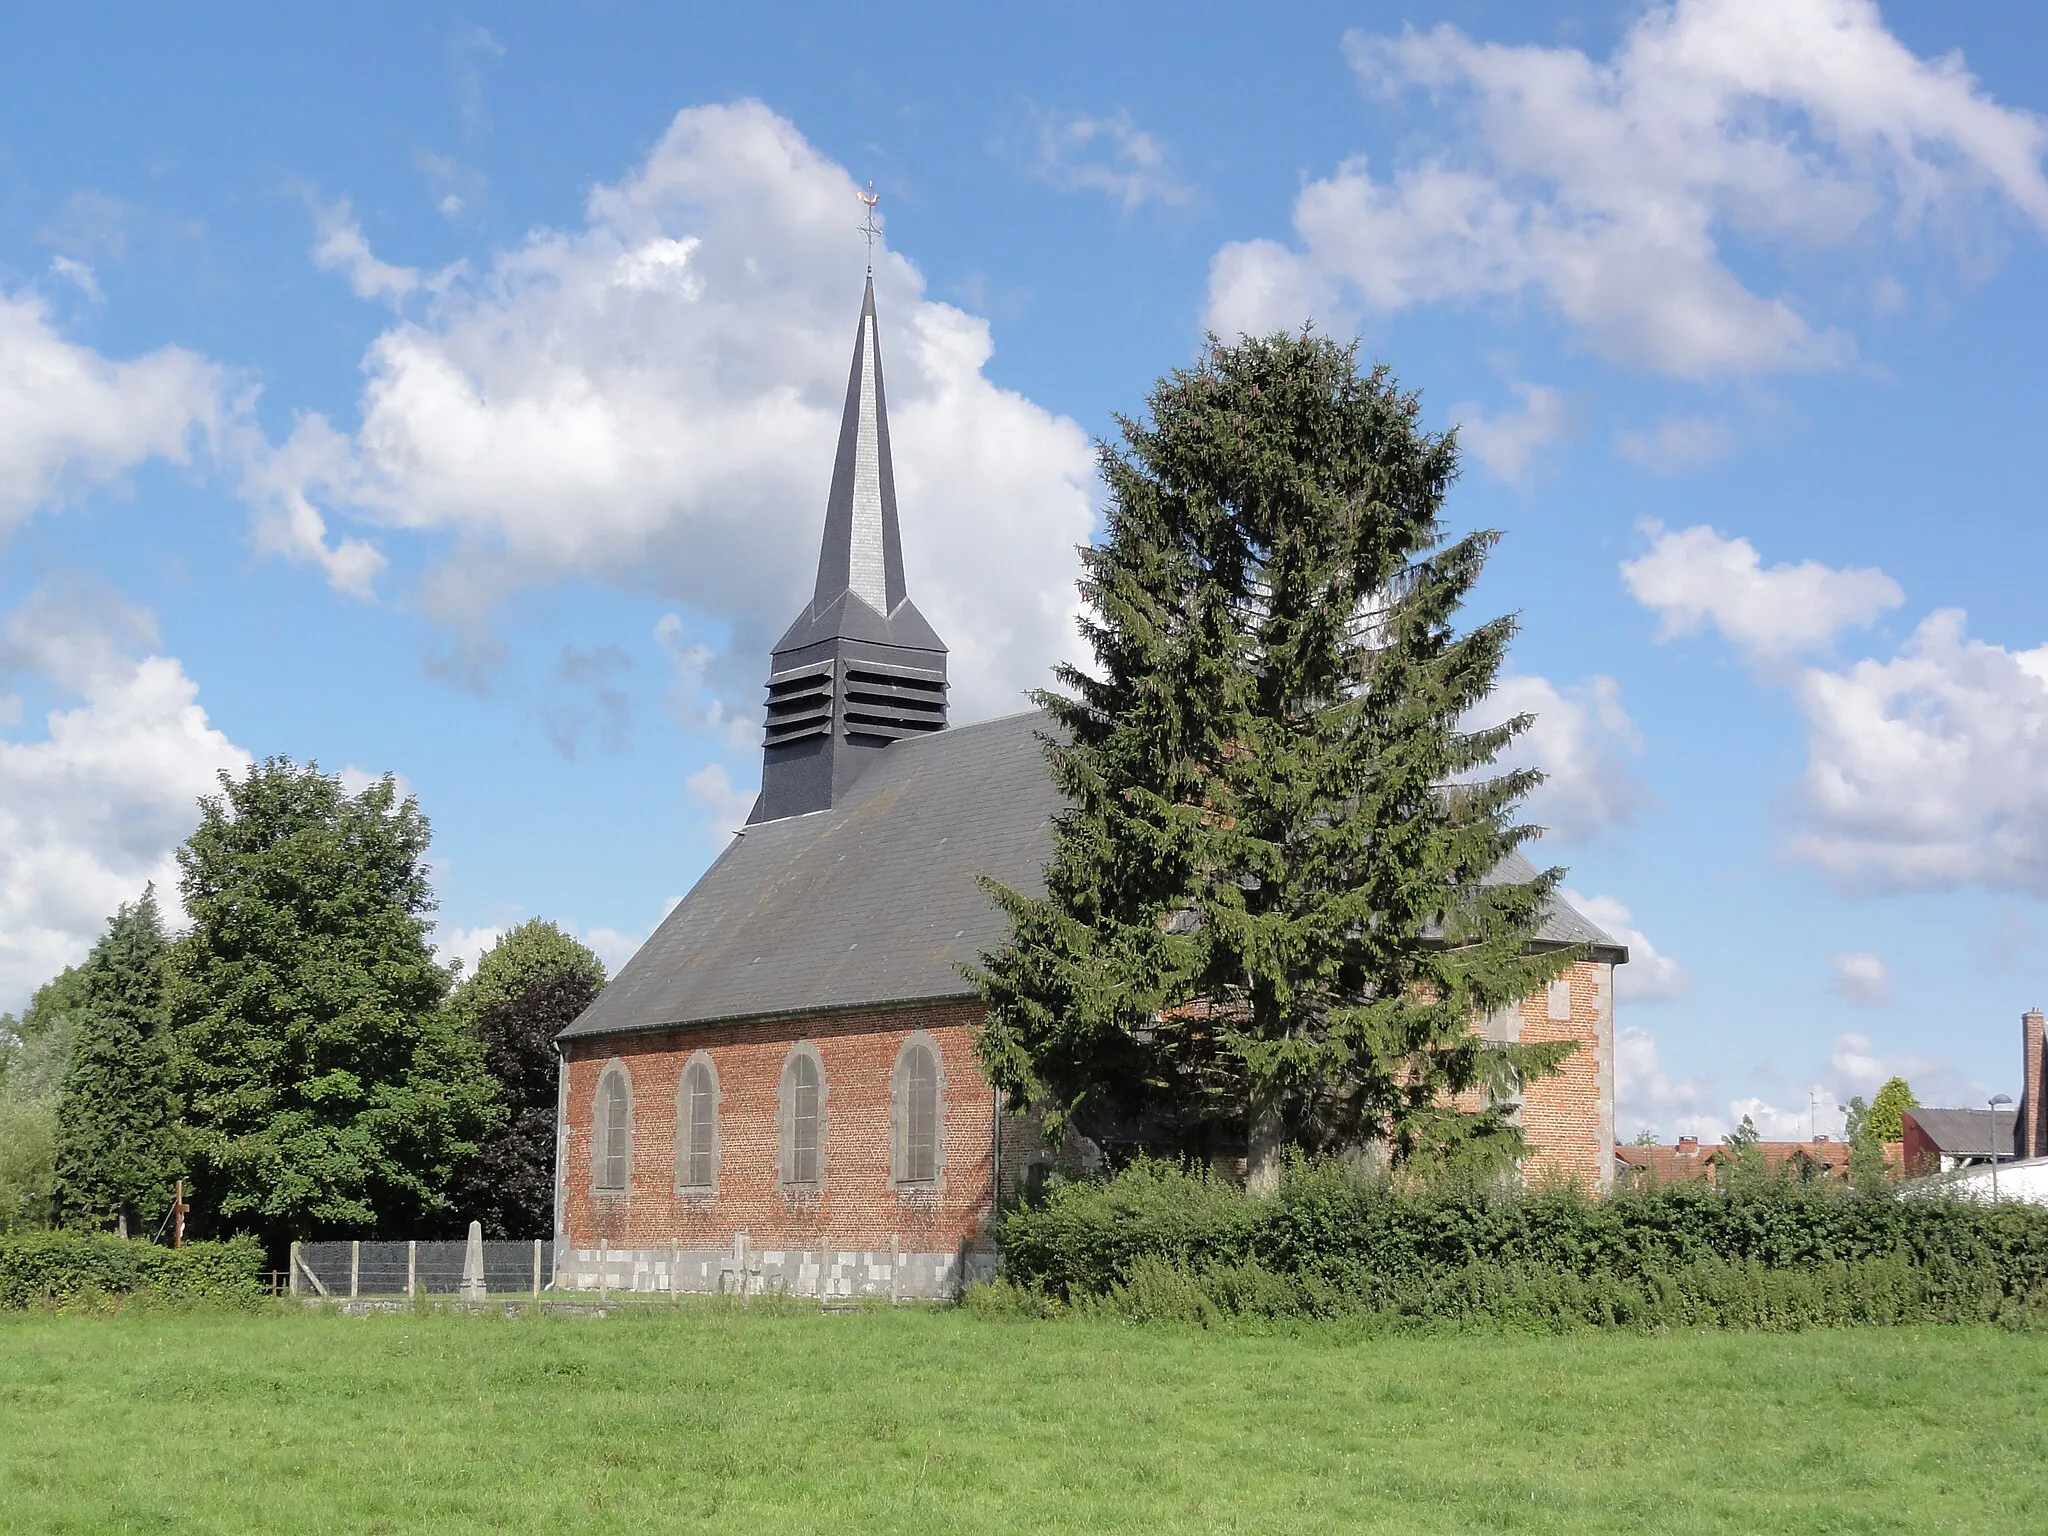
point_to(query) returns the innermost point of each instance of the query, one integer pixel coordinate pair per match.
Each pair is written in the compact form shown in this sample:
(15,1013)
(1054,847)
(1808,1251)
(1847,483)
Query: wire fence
(386,1269)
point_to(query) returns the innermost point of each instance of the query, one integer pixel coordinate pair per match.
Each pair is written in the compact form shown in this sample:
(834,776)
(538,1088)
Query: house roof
(1967,1132)
(1689,1160)
(875,901)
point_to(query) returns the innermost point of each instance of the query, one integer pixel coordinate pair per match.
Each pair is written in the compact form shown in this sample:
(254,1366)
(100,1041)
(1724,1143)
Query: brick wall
(856,1206)
(1569,1119)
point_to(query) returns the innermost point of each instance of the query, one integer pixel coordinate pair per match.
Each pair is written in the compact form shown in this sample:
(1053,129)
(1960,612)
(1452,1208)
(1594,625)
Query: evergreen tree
(1888,1109)
(1272,900)
(327,1090)
(527,988)
(116,1115)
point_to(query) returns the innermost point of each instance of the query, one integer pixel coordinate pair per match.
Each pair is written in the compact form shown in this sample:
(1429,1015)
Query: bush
(1158,1243)
(45,1267)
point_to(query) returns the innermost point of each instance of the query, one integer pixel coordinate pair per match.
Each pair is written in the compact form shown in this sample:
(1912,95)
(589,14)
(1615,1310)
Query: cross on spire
(868,226)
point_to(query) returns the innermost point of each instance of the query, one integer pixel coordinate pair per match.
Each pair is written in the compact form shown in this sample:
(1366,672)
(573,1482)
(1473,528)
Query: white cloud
(1695,575)
(71,418)
(712,787)
(651,400)
(1607,189)
(1111,155)
(1647,1097)
(355,780)
(465,944)
(342,247)
(79,275)
(1677,443)
(91,810)
(1650,975)
(1860,978)
(1929,771)
(1583,739)
(279,483)
(1508,442)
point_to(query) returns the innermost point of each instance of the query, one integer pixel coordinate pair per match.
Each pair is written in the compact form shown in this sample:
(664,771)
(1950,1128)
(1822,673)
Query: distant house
(1687,1162)
(1943,1140)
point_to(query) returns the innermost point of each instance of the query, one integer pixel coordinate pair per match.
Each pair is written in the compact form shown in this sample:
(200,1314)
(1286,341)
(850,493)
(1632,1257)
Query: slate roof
(875,901)
(1968,1132)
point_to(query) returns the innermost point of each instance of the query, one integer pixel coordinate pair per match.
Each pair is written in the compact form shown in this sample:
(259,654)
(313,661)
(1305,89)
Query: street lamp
(1996,1100)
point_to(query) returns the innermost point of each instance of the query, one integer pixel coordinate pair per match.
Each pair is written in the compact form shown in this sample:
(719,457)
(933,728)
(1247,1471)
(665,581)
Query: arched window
(803,1117)
(697,1126)
(916,1112)
(611,1152)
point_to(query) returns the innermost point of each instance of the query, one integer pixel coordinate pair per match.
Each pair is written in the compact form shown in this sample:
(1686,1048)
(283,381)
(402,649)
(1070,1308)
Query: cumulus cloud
(1607,189)
(1507,443)
(1650,975)
(1583,740)
(651,400)
(92,807)
(1693,576)
(1924,771)
(1648,1097)
(1076,152)
(1860,978)
(1929,771)
(727,807)
(71,418)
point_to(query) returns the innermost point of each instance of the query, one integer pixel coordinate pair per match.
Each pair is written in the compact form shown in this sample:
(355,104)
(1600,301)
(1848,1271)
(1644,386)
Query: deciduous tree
(327,1090)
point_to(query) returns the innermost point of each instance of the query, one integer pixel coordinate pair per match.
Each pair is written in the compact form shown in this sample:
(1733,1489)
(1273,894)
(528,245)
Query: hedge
(1157,1242)
(45,1267)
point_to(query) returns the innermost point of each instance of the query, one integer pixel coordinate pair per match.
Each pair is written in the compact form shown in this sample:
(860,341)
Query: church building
(779,1091)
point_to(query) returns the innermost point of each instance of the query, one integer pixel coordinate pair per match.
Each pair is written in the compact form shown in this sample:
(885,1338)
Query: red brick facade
(856,1204)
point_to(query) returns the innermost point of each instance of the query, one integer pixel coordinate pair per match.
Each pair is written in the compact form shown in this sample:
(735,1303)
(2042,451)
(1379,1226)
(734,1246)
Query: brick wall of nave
(856,1204)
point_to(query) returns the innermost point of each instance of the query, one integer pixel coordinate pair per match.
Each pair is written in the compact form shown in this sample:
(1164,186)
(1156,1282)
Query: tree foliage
(1888,1109)
(327,1090)
(35,1054)
(1275,895)
(526,989)
(117,1116)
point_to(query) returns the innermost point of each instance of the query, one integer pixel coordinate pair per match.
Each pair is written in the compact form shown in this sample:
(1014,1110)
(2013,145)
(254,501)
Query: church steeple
(860,667)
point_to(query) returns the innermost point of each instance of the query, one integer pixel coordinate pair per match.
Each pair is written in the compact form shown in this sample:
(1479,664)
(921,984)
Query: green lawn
(709,1420)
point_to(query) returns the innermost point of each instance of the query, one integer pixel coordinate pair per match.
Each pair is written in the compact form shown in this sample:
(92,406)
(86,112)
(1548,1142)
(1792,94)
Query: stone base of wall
(819,1273)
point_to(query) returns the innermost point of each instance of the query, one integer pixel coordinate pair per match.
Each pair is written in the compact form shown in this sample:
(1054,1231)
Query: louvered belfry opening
(860,668)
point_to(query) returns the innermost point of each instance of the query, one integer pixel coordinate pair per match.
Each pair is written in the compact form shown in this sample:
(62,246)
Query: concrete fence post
(412,1269)
(675,1290)
(294,1271)
(473,1291)
(355,1266)
(604,1270)
(536,1271)
(895,1267)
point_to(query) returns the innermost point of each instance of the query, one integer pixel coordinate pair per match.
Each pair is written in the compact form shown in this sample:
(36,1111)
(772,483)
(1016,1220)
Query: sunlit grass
(922,1420)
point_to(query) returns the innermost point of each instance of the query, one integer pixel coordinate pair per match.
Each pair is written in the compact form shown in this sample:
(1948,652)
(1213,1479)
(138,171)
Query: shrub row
(45,1267)
(1157,1241)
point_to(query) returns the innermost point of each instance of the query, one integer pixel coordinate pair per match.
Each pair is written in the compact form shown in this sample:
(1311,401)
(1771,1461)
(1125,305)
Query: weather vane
(868,227)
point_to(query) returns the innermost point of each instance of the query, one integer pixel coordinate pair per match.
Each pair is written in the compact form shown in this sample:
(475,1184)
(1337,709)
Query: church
(779,1091)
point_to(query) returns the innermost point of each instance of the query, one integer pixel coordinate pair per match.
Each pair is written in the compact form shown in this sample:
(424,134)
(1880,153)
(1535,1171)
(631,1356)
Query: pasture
(708,1418)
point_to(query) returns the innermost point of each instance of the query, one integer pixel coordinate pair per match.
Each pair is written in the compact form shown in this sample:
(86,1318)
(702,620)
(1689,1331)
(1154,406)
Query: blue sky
(450,392)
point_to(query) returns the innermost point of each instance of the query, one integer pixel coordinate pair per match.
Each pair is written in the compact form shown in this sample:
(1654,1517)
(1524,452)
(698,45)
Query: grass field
(916,1421)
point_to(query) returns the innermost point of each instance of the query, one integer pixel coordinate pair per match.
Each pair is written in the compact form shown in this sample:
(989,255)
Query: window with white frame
(697,1126)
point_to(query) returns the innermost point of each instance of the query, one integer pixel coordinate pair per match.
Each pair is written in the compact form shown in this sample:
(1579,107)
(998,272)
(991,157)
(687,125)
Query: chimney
(1688,1146)
(2031,1134)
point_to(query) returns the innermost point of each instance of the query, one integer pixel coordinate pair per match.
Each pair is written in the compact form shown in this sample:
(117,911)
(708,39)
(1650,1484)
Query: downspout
(561,1157)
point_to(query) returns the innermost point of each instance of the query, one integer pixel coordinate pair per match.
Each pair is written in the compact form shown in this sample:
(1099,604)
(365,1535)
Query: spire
(860,667)
(863,552)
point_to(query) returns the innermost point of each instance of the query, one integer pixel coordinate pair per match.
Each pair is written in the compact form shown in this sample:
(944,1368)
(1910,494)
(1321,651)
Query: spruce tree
(1275,900)
(526,989)
(116,1153)
(327,1090)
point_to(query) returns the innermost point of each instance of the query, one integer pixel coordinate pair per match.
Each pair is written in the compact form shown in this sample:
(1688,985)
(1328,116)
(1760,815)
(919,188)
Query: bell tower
(860,667)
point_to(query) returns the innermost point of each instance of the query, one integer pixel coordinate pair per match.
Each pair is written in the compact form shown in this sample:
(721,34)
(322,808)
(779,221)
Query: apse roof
(875,901)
